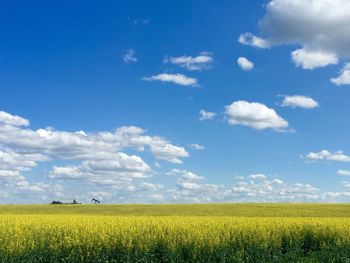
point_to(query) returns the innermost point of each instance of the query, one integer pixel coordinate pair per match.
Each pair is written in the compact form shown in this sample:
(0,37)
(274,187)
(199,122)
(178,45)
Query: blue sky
(175,101)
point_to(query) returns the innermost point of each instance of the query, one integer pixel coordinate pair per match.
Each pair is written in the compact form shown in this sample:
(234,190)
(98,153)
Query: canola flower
(78,238)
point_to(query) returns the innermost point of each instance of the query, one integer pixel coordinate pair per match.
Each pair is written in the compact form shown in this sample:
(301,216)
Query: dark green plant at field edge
(309,251)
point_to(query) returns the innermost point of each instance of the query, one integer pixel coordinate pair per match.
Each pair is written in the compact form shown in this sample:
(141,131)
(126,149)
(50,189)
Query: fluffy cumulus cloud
(245,64)
(338,156)
(129,56)
(313,59)
(201,62)
(179,79)
(206,115)
(254,115)
(320,27)
(95,158)
(344,76)
(298,101)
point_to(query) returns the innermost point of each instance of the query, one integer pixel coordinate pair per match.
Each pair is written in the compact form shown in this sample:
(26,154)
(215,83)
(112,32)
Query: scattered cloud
(139,21)
(245,64)
(254,115)
(178,79)
(338,156)
(129,56)
(313,59)
(257,176)
(201,62)
(299,101)
(206,115)
(196,146)
(185,175)
(344,76)
(252,40)
(343,172)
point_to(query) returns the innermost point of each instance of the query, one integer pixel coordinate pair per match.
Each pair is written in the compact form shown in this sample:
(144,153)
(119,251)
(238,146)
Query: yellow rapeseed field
(130,238)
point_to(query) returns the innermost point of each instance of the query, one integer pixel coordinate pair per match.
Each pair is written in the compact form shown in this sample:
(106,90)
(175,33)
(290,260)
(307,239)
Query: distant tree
(56,202)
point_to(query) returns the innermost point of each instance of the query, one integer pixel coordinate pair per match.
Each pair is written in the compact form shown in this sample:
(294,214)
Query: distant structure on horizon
(95,201)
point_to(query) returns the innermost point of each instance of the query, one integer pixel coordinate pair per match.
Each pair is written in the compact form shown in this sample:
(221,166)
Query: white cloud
(254,115)
(254,188)
(343,172)
(178,79)
(206,115)
(344,76)
(320,27)
(145,186)
(200,62)
(67,172)
(313,59)
(168,152)
(116,167)
(129,56)
(13,120)
(277,181)
(326,155)
(257,176)
(299,101)
(96,164)
(95,158)
(189,188)
(245,64)
(251,40)
(196,146)
(274,190)
(185,175)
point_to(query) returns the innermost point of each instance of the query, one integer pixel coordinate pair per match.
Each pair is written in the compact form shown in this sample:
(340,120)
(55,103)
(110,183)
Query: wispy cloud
(129,56)
(196,146)
(178,79)
(206,115)
(252,40)
(200,62)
